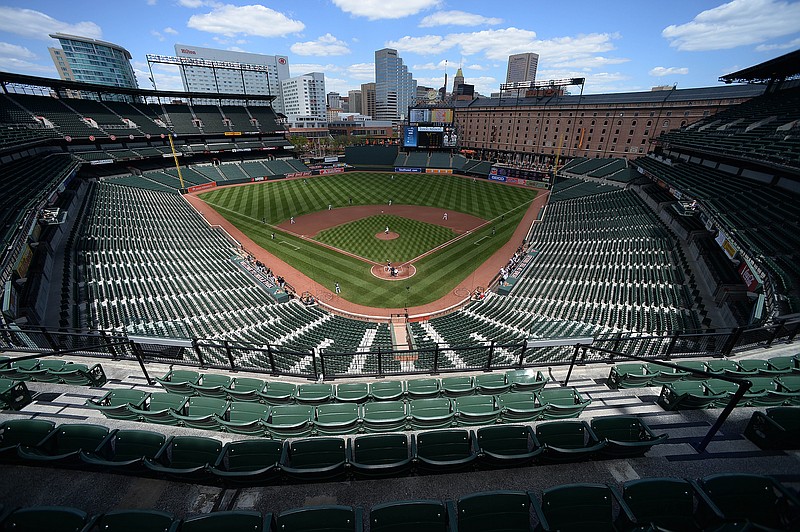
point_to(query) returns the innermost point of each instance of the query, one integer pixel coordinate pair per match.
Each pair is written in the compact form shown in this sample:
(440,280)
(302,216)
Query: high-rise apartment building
(334,100)
(92,61)
(395,88)
(354,101)
(368,99)
(225,71)
(522,67)
(304,98)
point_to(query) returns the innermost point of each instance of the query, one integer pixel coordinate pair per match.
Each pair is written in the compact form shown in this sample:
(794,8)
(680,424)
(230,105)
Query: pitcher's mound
(391,235)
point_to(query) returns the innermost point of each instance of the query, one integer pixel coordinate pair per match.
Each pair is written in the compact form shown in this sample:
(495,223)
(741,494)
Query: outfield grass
(359,238)
(437,274)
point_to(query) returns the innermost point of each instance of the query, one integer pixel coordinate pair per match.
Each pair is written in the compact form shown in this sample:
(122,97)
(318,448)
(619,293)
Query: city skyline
(614,47)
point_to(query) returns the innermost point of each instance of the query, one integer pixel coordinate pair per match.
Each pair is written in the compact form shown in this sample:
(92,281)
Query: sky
(618,46)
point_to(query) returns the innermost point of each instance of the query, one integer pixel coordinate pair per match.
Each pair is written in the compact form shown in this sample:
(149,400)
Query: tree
(299,142)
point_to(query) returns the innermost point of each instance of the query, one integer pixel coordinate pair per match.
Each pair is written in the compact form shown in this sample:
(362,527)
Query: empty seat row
(55,371)
(712,393)
(293,420)
(727,501)
(259,461)
(189,382)
(635,374)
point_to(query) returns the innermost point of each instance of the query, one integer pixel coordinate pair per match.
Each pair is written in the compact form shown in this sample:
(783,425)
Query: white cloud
(325,45)
(476,67)
(38,25)
(426,44)
(168,77)
(457,18)
(15,58)
(660,71)
(171,31)
(157,35)
(152,2)
(15,51)
(441,65)
(591,62)
(194,4)
(254,20)
(384,9)
(783,46)
(362,71)
(737,23)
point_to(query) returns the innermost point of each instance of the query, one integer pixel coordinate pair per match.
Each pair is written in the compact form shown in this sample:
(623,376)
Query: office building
(368,99)
(304,99)
(395,88)
(92,61)
(354,101)
(522,67)
(334,100)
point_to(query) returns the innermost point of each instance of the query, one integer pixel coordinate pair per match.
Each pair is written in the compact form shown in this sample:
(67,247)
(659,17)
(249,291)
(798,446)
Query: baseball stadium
(204,330)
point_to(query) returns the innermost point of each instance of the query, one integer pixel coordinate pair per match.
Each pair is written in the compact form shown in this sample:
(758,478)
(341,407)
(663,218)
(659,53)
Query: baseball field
(336,228)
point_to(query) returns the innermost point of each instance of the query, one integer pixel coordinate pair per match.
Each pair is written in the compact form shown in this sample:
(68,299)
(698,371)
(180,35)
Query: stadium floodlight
(558,342)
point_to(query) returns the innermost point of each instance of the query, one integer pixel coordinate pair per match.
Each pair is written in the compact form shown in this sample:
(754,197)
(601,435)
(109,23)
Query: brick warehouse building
(529,130)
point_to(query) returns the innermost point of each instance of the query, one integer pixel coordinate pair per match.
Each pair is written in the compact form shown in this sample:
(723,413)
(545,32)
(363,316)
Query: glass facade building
(395,88)
(92,61)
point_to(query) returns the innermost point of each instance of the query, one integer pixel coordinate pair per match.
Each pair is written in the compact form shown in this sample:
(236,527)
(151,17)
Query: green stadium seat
(17,432)
(245,389)
(290,421)
(561,403)
(402,516)
(757,395)
(380,455)
(720,366)
(211,385)
(519,406)
(125,450)
(245,417)
(431,413)
(458,386)
(625,436)
(386,390)
(81,375)
(384,416)
(14,394)
(43,372)
(337,418)
(185,458)
(352,392)
(687,395)
(492,383)
(136,521)
(228,521)
(179,381)
(790,384)
(785,364)
(321,518)
(278,393)
(116,403)
(159,407)
(314,394)
(507,445)
(526,380)
(492,511)
(664,374)
(777,428)
(202,413)
(18,370)
(444,451)
(49,518)
(248,462)
(578,507)
(630,375)
(65,443)
(667,503)
(476,410)
(423,388)
(761,367)
(314,459)
(695,365)
(568,441)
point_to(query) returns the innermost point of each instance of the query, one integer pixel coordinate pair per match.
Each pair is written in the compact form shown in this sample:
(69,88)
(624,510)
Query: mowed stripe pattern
(415,238)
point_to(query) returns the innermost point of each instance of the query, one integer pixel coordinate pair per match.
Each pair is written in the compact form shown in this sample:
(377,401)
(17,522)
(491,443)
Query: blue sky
(616,45)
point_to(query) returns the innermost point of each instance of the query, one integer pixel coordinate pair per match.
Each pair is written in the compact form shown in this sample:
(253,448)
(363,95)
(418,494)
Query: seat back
(579,507)
(752,497)
(419,516)
(132,520)
(132,444)
(24,431)
(564,434)
(70,438)
(444,445)
(319,518)
(665,502)
(50,518)
(193,451)
(505,439)
(231,521)
(618,428)
(486,511)
(380,449)
(316,452)
(250,455)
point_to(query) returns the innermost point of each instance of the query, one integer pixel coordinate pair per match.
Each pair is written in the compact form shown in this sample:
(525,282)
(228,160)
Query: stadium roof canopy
(60,86)
(780,68)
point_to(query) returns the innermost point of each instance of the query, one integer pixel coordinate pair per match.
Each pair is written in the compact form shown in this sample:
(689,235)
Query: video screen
(436,115)
(430,137)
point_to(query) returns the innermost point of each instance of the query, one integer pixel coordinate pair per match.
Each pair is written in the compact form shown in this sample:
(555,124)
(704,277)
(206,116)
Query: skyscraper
(368,99)
(334,100)
(458,79)
(304,98)
(92,61)
(522,67)
(354,101)
(225,71)
(395,88)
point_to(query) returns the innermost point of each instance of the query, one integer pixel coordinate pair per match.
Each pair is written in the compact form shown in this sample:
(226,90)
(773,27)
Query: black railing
(376,362)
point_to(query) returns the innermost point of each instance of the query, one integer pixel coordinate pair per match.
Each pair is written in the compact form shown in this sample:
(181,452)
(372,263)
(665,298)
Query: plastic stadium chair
(125,450)
(337,418)
(314,394)
(402,516)
(211,385)
(687,395)
(245,417)
(384,416)
(278,393)
(245,389)
(14,395)
(668,503)
(777,428)
(159,408)
(507,445)
(758,499)
(352,392)
(561,403)
(506,511)
(720,366)
(49,518)
(321,518)
(43,372)
(423,388)
(18,370)
(81,375)
(578,507)
(290,421)
(27,432)
(526,380)
(785,364)
(314,459)
(697,365)
(136,521)
(185,457)
(431,413)
(232,521)
(625,436)
(726,390)
(664,374)
(519,406)
(202,413)
(566,441)
(458,386)
(630,375)
(386,390)
(248,462)
(380,455)
(762,367)
(116,403)
(443,451)
(772,394)
(790,384)
(476,410)
(492,383)
(179,381)
(65,443)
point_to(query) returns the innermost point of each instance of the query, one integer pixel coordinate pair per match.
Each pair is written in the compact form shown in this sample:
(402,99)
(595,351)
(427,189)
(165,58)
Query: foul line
(289,244)
(479,240)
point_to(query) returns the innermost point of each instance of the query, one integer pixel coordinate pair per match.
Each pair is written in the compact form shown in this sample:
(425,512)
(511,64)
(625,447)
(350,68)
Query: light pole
(408,289)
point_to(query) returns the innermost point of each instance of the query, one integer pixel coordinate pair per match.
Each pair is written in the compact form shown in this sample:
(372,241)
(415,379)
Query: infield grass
(437,274)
